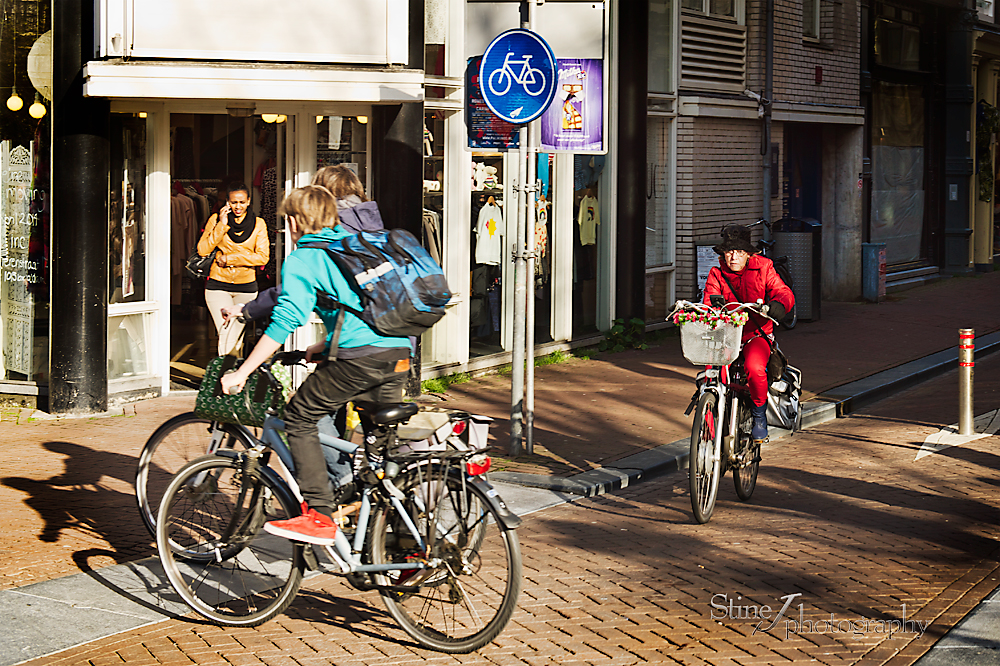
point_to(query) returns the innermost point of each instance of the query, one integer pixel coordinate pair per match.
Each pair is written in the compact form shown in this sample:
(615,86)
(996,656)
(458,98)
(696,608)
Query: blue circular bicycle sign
(517,76)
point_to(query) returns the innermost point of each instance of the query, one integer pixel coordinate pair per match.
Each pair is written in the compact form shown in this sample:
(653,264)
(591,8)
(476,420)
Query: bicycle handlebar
(728,307)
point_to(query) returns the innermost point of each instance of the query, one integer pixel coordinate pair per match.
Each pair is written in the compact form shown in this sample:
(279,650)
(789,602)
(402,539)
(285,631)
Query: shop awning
(117,79)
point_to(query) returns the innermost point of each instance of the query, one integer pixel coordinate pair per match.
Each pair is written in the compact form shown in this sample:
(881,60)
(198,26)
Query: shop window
(661,41)
(491,222)
(127,210)
(587,213)
(897,44)
(24,195)
(128,345)
(434,170)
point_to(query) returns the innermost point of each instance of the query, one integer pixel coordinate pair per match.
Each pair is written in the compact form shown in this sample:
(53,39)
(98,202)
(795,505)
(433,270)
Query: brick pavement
(843,516)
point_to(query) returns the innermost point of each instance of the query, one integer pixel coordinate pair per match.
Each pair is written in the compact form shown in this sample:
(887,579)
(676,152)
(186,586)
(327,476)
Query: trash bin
(801,240)
(873,271)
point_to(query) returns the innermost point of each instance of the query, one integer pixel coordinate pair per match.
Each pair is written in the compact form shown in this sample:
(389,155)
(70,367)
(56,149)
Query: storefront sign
(575,121)
(517,76)
(17,270)
(486,130)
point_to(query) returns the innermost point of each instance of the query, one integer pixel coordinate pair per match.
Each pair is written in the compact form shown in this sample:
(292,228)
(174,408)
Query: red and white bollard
(966,352)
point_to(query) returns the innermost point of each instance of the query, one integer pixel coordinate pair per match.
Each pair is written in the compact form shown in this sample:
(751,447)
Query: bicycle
(781,267)
(528,77)
(429,532)
(721,432)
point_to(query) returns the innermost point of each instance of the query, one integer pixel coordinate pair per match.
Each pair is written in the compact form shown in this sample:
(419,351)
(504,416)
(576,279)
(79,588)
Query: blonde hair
(313,206)
(341,181)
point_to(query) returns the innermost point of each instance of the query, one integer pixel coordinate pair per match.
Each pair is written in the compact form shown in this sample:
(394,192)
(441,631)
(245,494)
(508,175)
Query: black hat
(735,237)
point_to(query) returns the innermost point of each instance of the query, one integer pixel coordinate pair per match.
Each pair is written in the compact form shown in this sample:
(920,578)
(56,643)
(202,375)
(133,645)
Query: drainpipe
(765,148)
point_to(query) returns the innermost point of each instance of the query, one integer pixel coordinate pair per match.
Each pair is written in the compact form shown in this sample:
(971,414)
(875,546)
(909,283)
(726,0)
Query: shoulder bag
(199,266)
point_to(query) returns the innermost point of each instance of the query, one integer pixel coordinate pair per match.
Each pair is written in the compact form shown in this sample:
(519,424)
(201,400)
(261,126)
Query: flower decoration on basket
(711,319)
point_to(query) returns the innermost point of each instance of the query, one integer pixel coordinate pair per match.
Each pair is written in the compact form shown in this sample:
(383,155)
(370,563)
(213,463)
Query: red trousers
(755,354)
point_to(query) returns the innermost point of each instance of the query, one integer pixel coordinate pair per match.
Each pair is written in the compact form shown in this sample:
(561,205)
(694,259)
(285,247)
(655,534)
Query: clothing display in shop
(542,262)
(266,180)
(484,306)
(489,230)
(184,230)
(586,170)
(588,218)
(431,222)
(543,174)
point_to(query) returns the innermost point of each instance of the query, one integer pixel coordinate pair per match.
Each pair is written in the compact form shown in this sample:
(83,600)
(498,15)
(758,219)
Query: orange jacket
(240,258)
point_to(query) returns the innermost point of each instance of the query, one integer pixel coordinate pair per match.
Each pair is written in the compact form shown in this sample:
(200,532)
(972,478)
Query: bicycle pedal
(761,441)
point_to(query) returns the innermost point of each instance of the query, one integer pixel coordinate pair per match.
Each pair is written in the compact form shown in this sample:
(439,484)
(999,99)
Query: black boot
(759,429)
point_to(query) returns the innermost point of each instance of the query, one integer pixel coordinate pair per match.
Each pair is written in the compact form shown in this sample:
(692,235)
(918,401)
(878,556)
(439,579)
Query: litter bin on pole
(802,242)
(873,272)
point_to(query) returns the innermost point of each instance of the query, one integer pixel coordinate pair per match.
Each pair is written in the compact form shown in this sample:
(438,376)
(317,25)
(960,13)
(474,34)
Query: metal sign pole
(531,151)
(520,286)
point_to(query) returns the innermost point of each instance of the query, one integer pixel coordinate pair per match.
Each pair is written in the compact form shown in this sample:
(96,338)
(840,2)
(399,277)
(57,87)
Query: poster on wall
(575,121)
(707,258)
(17,270)
(486,130)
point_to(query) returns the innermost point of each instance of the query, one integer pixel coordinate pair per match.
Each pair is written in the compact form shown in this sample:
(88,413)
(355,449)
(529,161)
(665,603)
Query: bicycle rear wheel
(466,597)
(174,444)
(747,453)
(213,549)
(705,462)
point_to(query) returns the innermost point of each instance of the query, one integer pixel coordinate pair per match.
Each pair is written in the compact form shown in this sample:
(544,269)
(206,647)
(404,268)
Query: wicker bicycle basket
(704,345)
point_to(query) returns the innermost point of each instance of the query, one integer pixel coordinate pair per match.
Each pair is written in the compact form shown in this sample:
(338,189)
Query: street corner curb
(646,464)
(855,395)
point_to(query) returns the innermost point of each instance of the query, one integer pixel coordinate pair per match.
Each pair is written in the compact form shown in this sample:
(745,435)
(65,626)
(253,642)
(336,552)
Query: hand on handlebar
(232,312)
(774,310)
(314,353)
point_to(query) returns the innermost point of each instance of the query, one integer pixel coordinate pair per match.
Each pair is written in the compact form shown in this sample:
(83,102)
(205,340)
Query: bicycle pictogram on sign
(519,71)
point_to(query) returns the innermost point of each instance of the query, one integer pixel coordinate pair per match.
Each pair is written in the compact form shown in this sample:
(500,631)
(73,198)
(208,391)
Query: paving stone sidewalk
(66,494)
(884,551)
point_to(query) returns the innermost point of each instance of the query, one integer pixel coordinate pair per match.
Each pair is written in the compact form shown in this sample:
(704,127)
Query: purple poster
(575,121)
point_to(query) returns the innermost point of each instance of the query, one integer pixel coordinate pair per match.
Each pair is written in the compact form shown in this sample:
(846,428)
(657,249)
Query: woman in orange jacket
(241,238)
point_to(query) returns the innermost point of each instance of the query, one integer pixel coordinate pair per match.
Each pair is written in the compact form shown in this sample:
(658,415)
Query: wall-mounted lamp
(363,120)
(241,109)
(37,109)
(14,102)
(142,114)
(281,118)
(269,117)
(319,119)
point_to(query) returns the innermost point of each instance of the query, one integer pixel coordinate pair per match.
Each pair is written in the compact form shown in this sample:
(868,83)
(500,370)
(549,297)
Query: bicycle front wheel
(705,462)
(747,453)
(174,444)
(212,547)
(466,596)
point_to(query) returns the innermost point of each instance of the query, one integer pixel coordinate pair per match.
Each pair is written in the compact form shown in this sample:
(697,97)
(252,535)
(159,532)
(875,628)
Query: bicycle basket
(249,406)
(704,345)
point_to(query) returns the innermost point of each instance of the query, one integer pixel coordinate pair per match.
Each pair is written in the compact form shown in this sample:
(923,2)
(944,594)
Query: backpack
(403,290)
(784,408)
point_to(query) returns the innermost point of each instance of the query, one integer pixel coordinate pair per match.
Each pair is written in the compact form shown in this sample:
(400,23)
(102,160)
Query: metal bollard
(966,352)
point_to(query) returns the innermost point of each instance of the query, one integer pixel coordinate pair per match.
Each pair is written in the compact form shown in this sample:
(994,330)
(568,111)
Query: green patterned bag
(249,406)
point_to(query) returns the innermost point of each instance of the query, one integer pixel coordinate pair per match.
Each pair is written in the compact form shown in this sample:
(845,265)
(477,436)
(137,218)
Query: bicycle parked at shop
(428,531)
(721,433)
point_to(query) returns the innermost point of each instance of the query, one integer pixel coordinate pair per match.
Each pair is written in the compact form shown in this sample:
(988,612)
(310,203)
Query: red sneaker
(310,527)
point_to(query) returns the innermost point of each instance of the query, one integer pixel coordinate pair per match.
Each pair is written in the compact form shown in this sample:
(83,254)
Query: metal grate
(713,54)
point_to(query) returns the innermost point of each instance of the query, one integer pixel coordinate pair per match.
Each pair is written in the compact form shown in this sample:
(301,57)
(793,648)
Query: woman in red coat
(751,277)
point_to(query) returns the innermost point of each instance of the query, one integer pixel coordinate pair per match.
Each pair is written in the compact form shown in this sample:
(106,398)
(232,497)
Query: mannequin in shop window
(241,238)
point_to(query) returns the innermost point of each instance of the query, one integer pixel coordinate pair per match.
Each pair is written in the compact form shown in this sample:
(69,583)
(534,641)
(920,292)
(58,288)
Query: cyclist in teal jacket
(367,365)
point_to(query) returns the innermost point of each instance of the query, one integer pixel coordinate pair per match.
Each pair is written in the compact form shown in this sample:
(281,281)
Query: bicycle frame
(344,554)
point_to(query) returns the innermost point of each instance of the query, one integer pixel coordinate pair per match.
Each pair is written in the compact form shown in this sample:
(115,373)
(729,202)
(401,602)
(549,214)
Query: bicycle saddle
(386,413)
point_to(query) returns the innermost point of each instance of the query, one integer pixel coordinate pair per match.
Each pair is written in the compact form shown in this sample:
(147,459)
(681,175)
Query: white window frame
(739,11)
(814,33)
